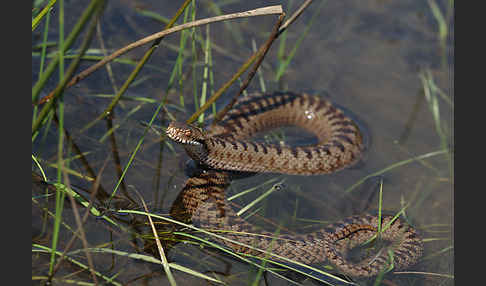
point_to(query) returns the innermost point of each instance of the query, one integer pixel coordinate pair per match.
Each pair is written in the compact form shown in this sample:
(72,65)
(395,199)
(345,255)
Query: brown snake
(226,148)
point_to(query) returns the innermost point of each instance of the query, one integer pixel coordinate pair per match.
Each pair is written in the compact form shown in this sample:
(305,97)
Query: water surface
(367,56)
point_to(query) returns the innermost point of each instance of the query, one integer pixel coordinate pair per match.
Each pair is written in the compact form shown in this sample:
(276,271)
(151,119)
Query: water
(364,55)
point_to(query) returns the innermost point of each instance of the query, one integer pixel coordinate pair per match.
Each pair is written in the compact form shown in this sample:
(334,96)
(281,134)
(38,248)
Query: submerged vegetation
(104,176)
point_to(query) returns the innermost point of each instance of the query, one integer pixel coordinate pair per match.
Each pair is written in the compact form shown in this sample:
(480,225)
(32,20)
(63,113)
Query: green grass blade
(135,151)
(43,12)
(65,78)
(60,163)
(261,80)
(242,193)
(241,244)
(42,59)
(85,17)
(204,87)
(380,205)
(260,198)
(439,17)
(85,203)
(396,165)
(285,63)
(42,248)
(194,55)
(150,259)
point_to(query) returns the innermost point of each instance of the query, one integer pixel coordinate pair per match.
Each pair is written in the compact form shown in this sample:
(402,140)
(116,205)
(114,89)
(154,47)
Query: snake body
(226,148)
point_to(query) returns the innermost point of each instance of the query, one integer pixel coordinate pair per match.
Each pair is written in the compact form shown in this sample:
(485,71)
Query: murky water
(370,57)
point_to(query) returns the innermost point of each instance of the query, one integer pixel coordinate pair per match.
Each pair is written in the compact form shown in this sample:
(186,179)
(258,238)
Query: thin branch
(81,231)
(294,16)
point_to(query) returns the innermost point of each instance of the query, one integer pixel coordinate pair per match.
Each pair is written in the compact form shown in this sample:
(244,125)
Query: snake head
(185,134)
(192,138)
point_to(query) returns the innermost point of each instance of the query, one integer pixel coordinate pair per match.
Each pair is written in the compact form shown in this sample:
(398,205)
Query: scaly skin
(225,148)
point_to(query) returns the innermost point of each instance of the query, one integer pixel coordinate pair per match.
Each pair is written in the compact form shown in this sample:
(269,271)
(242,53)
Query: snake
(226,149)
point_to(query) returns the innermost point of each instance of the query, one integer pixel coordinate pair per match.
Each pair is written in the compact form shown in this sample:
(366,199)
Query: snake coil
(340,144)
